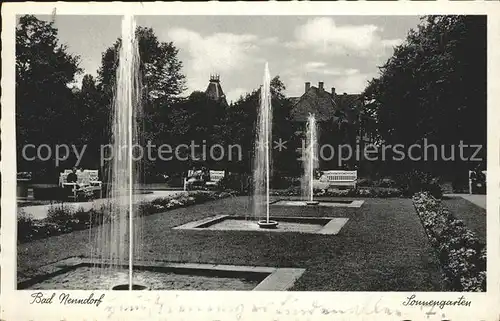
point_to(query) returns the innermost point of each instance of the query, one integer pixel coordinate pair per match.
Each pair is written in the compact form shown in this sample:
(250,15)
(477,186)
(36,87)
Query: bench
(470,180)
(215,177)
(189,174)
(339,178)
(87,180)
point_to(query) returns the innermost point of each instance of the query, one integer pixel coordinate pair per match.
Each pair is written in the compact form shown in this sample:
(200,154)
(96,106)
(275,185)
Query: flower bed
(462,256)
(368,192)
(64,219)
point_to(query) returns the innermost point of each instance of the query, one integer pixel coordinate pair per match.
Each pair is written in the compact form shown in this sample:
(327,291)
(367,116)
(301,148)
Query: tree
(162,82)
(161,69)
(93,115)
(239,126)
(434,87)
(44,101)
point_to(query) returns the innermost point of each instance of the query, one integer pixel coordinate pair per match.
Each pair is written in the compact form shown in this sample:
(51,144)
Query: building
(214,90)
(326,105)
(342,115)
(329,107)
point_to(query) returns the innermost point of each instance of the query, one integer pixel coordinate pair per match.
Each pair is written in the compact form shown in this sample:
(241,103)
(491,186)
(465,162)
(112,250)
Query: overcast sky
(342,51)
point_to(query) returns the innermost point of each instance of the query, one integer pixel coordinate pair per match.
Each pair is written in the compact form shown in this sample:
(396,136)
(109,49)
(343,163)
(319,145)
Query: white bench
(189,174)
(339,178)
(215,177)
(87,179)
(470,180)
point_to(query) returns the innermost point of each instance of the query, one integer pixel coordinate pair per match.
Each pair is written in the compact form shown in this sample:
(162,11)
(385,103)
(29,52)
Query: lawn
(383,246)
(473,216)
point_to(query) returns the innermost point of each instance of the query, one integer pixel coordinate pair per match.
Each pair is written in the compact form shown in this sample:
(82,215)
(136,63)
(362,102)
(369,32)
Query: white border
(231,305)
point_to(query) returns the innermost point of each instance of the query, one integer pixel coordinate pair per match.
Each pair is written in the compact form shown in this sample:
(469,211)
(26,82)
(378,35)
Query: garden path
(39,212)
(479,200)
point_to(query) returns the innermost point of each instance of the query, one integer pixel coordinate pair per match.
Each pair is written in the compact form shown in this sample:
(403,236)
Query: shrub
(61,215)
(25,226)
(462,256)
(377,192)
(364,182)
(240,183)
(417,181)
(25,175)
(374,192)
(283,182)
(81,217)
(386,182)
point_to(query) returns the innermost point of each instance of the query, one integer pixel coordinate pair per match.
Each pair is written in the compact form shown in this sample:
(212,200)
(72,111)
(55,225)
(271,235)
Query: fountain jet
(119,238)
(262,161)
(310,157)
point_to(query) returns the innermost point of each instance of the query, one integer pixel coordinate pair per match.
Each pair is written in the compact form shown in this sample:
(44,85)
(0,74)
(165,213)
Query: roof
(319,102)
(325,105)
(214,90)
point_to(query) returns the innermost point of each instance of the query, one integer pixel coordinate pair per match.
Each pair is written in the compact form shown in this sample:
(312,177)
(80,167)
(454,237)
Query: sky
(342,51)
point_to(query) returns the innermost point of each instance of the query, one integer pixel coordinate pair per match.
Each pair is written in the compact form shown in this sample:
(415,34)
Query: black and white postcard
(250,161)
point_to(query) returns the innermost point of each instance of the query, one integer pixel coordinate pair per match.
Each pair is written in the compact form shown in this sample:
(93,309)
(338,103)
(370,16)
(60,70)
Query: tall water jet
(310,158)
(120,235)
(262,161)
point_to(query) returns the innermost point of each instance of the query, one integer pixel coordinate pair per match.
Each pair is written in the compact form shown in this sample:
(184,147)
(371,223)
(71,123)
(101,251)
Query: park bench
(471,181)
(87,182)
(215,177)
(339,178)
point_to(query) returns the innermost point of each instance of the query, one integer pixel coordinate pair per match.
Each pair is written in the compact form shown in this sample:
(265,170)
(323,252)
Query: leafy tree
(93,115)
(195,120)
(44,101)
(160,67)
(162,82)
(434,87)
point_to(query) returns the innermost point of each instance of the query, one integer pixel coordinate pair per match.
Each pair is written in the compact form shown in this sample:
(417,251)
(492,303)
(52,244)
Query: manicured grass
(383,246)
(473,216)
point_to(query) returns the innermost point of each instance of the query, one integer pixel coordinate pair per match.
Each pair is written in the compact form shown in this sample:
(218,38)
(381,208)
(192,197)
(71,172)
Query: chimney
(308,85)
(333,91)
(320,85)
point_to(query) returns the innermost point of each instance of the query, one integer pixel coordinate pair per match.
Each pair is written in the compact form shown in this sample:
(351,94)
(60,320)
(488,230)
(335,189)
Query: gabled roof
(315,100)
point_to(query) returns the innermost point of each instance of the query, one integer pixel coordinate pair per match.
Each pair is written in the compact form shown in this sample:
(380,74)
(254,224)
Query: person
(72,177)
(478,180)
(205,174)
(477,174)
